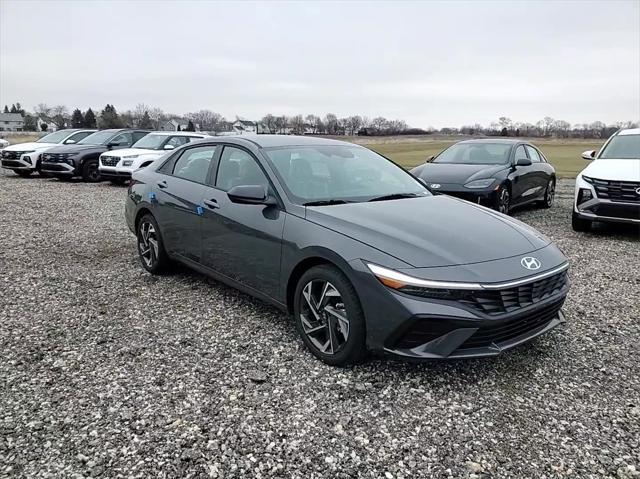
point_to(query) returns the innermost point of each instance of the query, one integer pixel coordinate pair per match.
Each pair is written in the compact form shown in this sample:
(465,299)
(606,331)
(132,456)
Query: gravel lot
(106,371)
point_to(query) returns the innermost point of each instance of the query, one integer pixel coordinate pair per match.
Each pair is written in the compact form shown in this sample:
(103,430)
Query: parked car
(498,173)
(608,190)
(3,143)
(25,158)
(81,159)
(118,165)
(357,249)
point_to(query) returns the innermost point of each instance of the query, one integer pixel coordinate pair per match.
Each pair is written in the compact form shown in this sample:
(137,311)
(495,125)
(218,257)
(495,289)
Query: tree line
(144,116)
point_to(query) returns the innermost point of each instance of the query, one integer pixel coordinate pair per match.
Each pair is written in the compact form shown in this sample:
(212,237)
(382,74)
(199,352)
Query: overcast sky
(429,63)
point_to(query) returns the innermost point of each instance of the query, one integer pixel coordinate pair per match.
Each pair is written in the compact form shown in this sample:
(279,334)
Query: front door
(242,242)
(523,186)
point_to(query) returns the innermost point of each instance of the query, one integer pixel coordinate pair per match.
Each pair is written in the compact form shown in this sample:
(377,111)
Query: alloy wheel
(324,317)
(551,191)
(92,172)
(148,243)
(503,201)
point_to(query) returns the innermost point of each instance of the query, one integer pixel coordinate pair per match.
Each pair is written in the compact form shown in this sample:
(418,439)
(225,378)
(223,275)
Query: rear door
(178,191)
(242,242)
(523,183)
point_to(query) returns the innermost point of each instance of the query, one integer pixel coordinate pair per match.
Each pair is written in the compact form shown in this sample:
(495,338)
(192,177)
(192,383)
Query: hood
(29,146)
(135,151)
(456,173)
(621,170)
(431,231)
(76,148)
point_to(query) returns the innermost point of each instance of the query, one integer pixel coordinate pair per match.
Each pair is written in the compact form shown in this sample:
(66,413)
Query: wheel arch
(141,212)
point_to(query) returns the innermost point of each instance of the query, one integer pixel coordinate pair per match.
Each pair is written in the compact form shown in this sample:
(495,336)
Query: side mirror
(589,155)
(112,144)
(168,147)
(70,142)
(430,159)
(523,162)
(250,195)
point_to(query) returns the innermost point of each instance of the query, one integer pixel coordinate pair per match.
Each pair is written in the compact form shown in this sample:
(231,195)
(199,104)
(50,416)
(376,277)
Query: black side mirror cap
(250,195)
(523,162)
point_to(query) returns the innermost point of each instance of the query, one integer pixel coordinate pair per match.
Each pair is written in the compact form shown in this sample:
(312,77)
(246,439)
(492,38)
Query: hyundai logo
(530,262)
(435,186)
(637,191)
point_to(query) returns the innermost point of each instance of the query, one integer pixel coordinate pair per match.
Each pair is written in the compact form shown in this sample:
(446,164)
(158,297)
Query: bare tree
(207,120)
(59,116)
(331,123)
(270,122)
(157,116)
(354,123)
(314,121)
(297,123)
(43,111)
(379,124)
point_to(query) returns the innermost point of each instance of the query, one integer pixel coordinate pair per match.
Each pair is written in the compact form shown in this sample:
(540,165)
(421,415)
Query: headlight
(26,152)
(400,281)
(486,183)
(131,156)
(587,179)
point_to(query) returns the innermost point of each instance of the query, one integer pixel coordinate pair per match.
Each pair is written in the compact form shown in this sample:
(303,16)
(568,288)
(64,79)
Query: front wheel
(502,201)
(150,246)
(329,316)
(579,224)
(90,172)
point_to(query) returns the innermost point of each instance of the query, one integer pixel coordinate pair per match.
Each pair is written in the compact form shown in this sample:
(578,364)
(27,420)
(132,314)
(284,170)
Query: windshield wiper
(395,196)
(325,202)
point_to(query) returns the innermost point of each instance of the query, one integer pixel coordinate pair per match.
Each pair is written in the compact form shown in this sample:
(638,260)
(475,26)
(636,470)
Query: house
(245,126)
(11,122)
(176,124)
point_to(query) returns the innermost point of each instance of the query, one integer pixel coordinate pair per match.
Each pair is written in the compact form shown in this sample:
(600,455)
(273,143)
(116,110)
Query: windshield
(97,138)
(622,147)
(151,142)
(475,154)
(340,173)
(55,137)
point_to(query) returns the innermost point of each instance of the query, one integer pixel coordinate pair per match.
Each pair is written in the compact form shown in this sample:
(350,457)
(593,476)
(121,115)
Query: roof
(271,141)
(11,117)
(178,133)
(505,141)
(246,122)
(630,131)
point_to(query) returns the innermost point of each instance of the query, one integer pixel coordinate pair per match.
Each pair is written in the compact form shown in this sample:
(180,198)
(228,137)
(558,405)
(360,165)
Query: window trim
(214,178)
(526,147)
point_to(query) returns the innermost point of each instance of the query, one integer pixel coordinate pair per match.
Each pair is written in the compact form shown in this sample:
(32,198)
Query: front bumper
(483,323)
(58,168)
(603,209)
(114,173)
(482,196)
(22,162)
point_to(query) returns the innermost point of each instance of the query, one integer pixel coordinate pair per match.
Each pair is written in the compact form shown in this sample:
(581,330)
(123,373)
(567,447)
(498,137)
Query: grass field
(412,151)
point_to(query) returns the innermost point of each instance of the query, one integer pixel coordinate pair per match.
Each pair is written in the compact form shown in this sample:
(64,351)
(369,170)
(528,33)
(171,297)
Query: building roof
(11,117)
(246,122)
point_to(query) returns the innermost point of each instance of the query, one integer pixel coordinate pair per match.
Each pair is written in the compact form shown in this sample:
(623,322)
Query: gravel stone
(106,371)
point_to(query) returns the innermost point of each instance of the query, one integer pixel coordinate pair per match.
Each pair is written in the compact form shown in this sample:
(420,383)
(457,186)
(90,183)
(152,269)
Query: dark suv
(81,159)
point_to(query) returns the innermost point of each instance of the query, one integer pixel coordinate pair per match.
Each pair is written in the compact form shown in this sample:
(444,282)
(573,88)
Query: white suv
(118,165)
(609,188)
(24,158)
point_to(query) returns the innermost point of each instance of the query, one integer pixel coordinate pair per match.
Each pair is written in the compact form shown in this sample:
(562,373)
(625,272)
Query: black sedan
(81,159)
(497,173)
(360,253)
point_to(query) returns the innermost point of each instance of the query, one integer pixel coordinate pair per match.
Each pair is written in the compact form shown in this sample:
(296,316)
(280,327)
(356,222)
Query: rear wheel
(549,194)
(90,172)
(150,246)
(502,201)
(329,317)
(23,173)
(579,224)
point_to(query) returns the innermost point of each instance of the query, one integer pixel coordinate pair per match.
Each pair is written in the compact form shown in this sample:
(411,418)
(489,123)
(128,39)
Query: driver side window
(237,167)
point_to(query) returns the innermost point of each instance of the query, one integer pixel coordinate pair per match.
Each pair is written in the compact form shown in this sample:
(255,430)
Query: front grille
(504,331)
(109,160)
(499,301)
(55,157)
(11,164)
(11,155)
(612,210)
(617,190)
(55,167)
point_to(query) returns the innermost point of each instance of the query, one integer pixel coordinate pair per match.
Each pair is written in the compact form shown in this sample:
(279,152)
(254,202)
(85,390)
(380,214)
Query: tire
(549,194)
(90,172)
(40,172)
(579,224)
(153,258)
(334,332)
(23,173)
(502,200)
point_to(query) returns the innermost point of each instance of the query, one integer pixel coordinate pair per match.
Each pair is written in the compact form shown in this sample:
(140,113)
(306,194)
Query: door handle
(212,203)
(162,184)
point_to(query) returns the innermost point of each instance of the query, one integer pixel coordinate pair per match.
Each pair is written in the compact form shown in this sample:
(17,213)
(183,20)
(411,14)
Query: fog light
(127,163)
(584,195)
